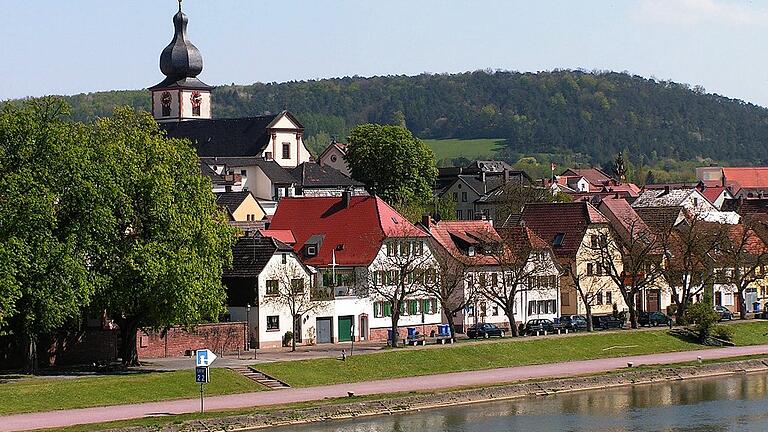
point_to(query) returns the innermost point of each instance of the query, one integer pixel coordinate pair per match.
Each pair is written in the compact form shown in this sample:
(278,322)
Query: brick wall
(89,346)
(221,338)
(380,334)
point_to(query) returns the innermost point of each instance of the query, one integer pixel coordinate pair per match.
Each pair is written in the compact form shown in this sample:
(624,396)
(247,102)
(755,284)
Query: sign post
(203,359)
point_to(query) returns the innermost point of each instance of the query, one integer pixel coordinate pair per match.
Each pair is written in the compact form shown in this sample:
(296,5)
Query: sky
(81,46)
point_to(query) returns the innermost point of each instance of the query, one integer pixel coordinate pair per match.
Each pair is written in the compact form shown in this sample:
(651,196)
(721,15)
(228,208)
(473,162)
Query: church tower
(181,96)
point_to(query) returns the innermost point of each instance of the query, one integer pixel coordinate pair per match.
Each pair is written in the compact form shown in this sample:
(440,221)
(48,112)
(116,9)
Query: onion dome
(181,61)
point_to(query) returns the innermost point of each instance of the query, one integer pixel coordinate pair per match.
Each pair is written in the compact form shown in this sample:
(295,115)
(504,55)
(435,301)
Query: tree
(288,288)
(402,270)
(392,163)
(165,242)
(632,259)
(47,225)
(587,293)
(740,256)
(525,263)
(688,267)
(619,167)
(452,288)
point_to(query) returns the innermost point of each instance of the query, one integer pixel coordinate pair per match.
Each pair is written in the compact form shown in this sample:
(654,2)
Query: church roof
(239,137)
(314,175)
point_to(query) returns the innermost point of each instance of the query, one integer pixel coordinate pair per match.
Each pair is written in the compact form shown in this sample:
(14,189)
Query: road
(57,419)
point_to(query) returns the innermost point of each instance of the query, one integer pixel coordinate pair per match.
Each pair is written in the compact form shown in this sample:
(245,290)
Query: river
(732,403)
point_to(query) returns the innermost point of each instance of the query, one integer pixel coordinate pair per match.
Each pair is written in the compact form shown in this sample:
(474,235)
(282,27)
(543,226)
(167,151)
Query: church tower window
(197,100)
(166,102)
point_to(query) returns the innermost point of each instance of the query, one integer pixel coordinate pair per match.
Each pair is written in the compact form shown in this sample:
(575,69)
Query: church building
(182,105)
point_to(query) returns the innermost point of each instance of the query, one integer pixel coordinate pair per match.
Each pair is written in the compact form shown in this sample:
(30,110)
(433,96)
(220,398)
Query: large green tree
(167,242)
(392,163)
(46,224)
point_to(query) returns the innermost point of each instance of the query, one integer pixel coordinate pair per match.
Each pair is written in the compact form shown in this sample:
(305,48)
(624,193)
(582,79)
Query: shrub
(704,318)
(287,338)
(723,332)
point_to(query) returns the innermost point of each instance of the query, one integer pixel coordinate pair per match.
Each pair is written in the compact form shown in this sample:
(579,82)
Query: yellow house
(241,206)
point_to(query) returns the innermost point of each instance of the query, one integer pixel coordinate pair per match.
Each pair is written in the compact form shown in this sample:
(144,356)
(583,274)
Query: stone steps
(261,378)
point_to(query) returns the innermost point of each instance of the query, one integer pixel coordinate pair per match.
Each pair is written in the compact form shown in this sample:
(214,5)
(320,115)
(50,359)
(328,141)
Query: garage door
(324,332)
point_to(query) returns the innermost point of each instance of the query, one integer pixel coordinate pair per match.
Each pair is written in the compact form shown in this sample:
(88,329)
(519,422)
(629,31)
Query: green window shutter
(425,306)
(387,309)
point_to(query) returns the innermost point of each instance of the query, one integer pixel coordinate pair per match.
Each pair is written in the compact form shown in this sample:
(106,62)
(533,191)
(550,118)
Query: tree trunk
(395,335)
(449,319)
(513,324)
(742,304)
(128,353)
(590,326)
(633,317)
(30,354)
(680,312)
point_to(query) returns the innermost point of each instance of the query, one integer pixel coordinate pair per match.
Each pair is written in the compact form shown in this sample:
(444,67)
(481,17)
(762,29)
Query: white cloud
(696,12)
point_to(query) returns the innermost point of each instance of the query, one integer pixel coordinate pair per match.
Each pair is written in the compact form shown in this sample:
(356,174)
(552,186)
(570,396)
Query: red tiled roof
(355,233)
(593,175)
(443,230)
(711,193)
(744,177)
(548,220)
(285,236)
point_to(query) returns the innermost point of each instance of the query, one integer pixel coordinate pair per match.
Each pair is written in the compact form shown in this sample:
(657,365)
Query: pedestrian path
(58,419)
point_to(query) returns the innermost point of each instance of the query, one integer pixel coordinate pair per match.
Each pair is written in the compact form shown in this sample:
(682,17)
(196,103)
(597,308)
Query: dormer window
(559,239)
(268,155)
(310,250)
(471,251)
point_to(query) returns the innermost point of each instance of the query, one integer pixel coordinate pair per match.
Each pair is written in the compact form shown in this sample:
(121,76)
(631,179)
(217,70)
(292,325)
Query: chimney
(666,190)
(346,197)
(506,175)
(426,220)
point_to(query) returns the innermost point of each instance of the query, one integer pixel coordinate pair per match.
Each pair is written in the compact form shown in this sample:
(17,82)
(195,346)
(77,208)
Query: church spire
(181,63)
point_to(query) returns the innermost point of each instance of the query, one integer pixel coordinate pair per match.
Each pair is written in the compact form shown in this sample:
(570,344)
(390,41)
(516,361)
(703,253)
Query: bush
(704,318)
(723,332)
(287,338)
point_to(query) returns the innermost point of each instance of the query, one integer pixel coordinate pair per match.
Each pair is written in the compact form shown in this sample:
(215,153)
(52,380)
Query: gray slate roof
(224,137)
(231,200)
(313,175)
(251,254)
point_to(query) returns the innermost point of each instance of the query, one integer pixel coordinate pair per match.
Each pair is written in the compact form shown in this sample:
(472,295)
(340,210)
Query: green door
(345,328)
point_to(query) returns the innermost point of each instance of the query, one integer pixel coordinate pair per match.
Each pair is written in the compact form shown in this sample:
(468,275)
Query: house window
(244,173)
(285,258)
(455,197)
(286,150)
(483,309)
(593,240)
(311,250)
(495,310)
(197,100)
(459,214)
(273,323)
(272,287)
(405,248)
(391,250)
(495,279)
(268,155)
(482,279)
(590,269)
(559,238)
(608,297)
(297,286)
(413,307)
(599,268)
(599,298)
(378,309)
(418,248)
(470,311)
(387,309)
(463,197)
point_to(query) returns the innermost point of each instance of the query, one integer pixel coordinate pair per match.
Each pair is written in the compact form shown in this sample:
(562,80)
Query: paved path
(57,419)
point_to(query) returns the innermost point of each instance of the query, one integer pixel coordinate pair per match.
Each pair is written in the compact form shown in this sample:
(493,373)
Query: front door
(324,332)
(718,298)
(345,328)
(363,327)
(652,298)
(297,330)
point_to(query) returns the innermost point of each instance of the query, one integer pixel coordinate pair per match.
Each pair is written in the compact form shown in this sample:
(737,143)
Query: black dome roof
(181,59)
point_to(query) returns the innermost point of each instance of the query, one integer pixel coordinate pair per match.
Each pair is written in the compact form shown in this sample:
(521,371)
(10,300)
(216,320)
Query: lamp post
(248,322)
(352,330)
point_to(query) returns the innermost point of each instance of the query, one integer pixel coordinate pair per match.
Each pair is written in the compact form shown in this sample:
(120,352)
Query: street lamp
(248,322)
(352,330)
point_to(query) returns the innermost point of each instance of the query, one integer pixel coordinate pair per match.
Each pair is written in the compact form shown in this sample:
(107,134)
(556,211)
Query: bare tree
(741,256)
(632,260)
(521,264)
(588,293)
(688,264)
(288,287)
(402,270)
(452,288)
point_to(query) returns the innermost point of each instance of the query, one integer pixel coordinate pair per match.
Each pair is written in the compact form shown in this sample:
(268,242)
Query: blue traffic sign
(204,357)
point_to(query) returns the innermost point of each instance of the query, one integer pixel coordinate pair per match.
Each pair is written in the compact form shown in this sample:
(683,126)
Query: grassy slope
(45,394)
(404,362)
(470,149)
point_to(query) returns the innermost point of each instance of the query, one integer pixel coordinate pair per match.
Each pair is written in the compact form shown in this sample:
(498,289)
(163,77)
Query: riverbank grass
(46,394)
(497,354)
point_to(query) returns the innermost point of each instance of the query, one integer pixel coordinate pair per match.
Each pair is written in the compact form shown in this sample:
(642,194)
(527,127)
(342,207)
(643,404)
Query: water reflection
(734,403)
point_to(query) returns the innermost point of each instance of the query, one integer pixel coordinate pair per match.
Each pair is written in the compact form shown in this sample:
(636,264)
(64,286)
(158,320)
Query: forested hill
(594,114)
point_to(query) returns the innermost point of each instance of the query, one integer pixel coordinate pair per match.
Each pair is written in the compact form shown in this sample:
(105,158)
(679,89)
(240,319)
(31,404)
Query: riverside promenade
(63,418)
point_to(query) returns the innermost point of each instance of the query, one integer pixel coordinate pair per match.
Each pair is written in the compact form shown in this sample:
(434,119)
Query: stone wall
(92,345)
(221,338)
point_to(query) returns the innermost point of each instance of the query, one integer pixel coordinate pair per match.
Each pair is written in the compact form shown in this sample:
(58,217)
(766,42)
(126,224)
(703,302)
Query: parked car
(573,322)
(609,322)
(484,330)
(724,312)
(539,325)
(652,319)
